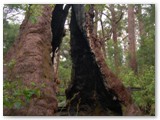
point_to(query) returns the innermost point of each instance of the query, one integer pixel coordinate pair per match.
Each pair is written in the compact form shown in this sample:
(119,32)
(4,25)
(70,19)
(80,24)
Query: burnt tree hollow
(86,94)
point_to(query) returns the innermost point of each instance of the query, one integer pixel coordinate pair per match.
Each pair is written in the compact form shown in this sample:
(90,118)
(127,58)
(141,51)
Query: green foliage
(146,52)
(100,7)
(12,96)
(15,6)
(64,70)
(110,55)
(64,76)
(15,95)
(11,64)
(35,11)
(87,6)
(10,32)
(10,27)
(28,93)
(145,98)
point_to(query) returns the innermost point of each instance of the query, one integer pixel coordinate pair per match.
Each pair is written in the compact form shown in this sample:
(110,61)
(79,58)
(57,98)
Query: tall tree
(132,41)
(140,22)
(115,18)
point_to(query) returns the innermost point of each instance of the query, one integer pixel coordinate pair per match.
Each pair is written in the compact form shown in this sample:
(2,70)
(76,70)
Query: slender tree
(140,22)
(114,31)
(103,36)
(132,41)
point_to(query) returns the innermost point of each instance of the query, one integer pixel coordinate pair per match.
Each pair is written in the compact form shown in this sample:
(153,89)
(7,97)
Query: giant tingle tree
(93,88)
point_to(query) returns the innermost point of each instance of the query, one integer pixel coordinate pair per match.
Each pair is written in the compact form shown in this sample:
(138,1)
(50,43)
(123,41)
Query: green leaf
(33,84)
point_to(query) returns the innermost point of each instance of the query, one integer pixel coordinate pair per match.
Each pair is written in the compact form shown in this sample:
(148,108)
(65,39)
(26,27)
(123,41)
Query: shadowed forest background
(63,59)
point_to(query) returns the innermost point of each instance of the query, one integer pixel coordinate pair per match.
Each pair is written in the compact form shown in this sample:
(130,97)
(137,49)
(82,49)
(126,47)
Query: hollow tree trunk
(86,92)
(31,52)
(132,41)
(94,88)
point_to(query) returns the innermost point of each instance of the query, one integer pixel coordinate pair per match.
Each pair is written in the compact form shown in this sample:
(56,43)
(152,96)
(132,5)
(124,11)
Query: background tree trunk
(141,25)
(31,52)
(132,41)
(114,31)
(103,37)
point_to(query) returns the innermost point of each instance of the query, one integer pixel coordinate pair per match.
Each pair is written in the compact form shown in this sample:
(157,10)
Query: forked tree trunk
(33,67)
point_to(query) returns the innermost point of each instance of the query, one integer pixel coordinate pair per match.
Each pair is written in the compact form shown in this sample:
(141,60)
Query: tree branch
(121,16)
(124,37)
(107,16)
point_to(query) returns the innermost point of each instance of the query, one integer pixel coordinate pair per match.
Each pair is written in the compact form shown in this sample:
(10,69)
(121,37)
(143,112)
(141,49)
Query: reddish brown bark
(110,80)
(31,51)
(132,41)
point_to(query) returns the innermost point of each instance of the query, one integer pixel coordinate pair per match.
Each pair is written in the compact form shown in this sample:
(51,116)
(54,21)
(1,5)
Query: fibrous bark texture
(31,51)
